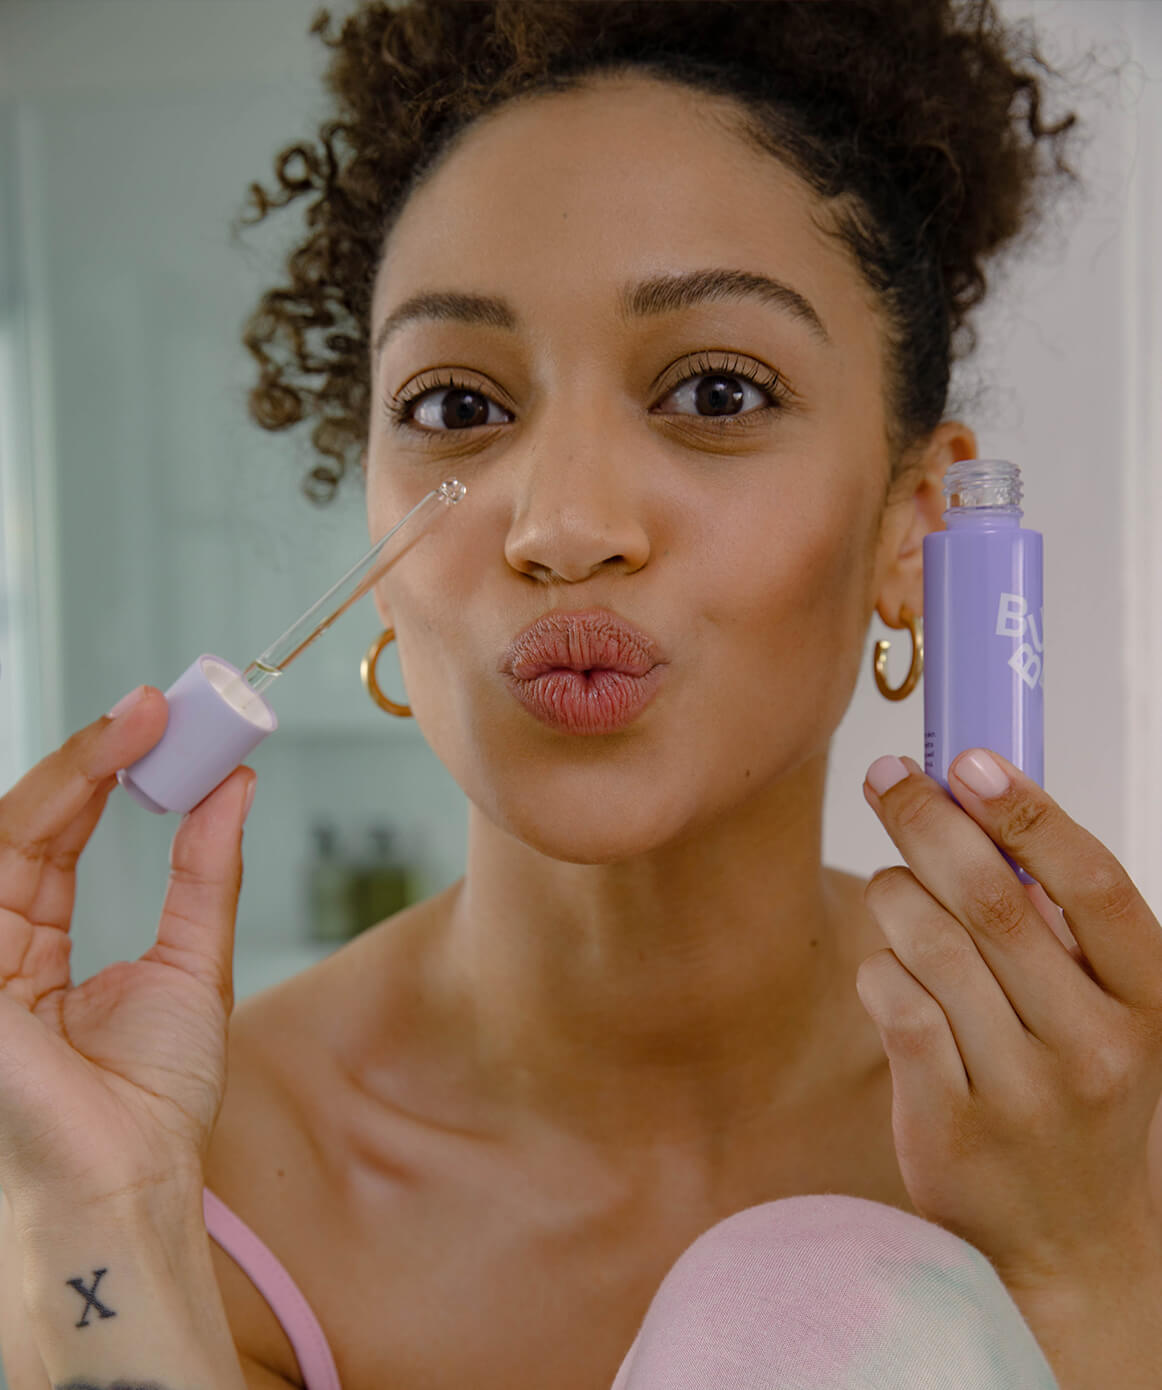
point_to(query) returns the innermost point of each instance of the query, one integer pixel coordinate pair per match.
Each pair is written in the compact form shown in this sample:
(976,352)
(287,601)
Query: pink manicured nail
(246,805)
(126,703)
(981,773)
(885,772)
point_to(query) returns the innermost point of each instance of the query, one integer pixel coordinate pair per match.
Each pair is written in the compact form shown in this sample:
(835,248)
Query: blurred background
(145,519)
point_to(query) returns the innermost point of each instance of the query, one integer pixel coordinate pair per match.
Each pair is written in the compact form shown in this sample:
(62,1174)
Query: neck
(663,997)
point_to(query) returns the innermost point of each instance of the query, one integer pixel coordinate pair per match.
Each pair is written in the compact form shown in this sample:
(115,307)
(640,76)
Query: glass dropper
(355,583)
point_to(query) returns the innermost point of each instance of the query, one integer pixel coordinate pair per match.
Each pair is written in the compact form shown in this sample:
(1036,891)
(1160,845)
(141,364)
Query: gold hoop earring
(367,675)
(916,666)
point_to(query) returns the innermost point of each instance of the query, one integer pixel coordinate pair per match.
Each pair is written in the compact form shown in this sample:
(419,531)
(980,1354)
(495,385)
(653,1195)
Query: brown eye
(460,408)
(738,387)
(718,395)
(714,391)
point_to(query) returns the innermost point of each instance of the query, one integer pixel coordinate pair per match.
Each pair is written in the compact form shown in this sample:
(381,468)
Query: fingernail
(885,772)
(981,773)
(126,703)
(246,805)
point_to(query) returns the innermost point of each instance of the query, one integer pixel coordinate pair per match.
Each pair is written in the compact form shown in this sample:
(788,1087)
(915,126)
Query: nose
(577,509)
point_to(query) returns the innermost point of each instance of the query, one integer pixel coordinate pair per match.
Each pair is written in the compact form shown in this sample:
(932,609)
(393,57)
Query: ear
(900,564)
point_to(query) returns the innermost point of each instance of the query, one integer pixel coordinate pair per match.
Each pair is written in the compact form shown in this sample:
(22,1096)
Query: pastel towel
(832,1292)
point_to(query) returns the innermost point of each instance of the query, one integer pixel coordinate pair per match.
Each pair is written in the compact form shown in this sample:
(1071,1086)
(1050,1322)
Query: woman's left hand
(1026,1065)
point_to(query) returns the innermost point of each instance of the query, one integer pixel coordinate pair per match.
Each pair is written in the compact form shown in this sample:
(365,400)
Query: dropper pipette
(217,714)
(355,583)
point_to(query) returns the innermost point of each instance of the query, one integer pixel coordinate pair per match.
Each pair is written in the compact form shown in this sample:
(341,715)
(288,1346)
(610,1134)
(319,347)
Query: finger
(53,904)
(1110,920)
(47,800)
(963,870)
(941,956)
(196,931)
(52,901)
(1053,915)
(34,945)
(927,1066)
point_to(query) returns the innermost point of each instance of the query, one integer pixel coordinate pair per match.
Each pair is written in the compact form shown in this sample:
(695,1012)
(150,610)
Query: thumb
(196,931)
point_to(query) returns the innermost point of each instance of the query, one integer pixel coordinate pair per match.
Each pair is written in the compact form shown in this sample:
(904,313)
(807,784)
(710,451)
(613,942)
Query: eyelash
(398,408)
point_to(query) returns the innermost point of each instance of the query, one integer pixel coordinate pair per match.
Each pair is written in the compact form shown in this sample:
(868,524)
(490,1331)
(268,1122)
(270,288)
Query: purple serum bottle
(984,648)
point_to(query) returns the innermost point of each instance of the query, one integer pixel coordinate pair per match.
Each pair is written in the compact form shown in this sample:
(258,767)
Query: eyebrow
(662,294)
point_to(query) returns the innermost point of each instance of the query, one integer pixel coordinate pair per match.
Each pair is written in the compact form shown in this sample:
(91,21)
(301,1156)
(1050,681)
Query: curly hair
(915,121)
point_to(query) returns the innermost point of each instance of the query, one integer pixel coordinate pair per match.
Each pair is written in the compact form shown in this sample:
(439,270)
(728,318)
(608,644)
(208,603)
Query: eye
(446,405)
(716,390)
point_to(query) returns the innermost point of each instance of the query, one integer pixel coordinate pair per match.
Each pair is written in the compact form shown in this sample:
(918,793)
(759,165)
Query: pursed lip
(592,640)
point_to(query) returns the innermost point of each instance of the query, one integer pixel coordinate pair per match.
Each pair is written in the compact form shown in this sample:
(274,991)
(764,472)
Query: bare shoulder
(260,1166)
(268,1159)
(279,1154)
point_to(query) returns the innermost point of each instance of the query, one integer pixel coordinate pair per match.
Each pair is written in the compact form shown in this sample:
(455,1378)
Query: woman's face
(624,460)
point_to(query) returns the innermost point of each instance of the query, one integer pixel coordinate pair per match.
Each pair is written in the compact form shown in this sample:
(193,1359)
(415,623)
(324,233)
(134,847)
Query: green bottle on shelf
(381,883)
(329,884)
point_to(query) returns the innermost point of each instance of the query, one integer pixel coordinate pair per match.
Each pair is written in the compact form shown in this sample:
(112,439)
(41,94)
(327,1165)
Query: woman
(650,1095)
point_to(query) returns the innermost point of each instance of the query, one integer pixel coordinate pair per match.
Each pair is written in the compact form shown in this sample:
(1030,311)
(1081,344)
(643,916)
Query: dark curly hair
(914,120)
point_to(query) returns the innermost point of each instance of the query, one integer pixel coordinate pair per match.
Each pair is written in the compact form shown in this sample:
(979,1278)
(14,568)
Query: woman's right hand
(114,1084)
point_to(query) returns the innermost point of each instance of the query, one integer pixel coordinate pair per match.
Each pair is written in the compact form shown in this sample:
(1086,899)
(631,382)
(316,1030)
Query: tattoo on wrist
(113,1385)
(91,1301)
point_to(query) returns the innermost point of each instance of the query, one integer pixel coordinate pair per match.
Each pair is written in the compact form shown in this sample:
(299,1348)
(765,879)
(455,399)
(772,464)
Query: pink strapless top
(270,1278)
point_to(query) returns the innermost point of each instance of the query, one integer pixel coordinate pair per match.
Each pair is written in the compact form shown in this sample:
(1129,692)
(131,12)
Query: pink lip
(584,673)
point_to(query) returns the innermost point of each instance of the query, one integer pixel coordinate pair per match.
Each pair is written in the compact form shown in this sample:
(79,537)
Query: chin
(595,806)
(593,835)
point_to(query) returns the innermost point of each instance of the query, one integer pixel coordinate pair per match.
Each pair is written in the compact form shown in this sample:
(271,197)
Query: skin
(481,1134)
(636,1012)
(500,1117)
(646,942)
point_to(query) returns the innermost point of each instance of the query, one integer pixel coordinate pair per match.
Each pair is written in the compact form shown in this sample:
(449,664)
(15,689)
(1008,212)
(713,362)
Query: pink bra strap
(270,1278)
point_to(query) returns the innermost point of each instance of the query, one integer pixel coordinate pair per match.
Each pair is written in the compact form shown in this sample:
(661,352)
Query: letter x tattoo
(115,1385)
(90,1300)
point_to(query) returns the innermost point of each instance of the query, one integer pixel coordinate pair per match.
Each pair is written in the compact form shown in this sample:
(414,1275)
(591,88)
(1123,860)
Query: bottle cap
(215,721)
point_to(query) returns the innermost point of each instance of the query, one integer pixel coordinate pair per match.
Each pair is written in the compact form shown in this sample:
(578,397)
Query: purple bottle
(983,632)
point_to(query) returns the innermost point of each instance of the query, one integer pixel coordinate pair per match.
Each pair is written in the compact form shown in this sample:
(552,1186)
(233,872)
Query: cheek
(384,500)
(793,560)
(790,601)
(434,562)
(428,597)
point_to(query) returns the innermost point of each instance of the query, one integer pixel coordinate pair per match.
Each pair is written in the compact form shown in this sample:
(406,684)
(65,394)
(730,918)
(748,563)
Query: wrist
(156,1229)
(174,1199)
(1101,1325)
(155,1225)
(125,1291)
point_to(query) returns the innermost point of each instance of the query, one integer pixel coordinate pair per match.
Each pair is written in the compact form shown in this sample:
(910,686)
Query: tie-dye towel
(832,1292)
